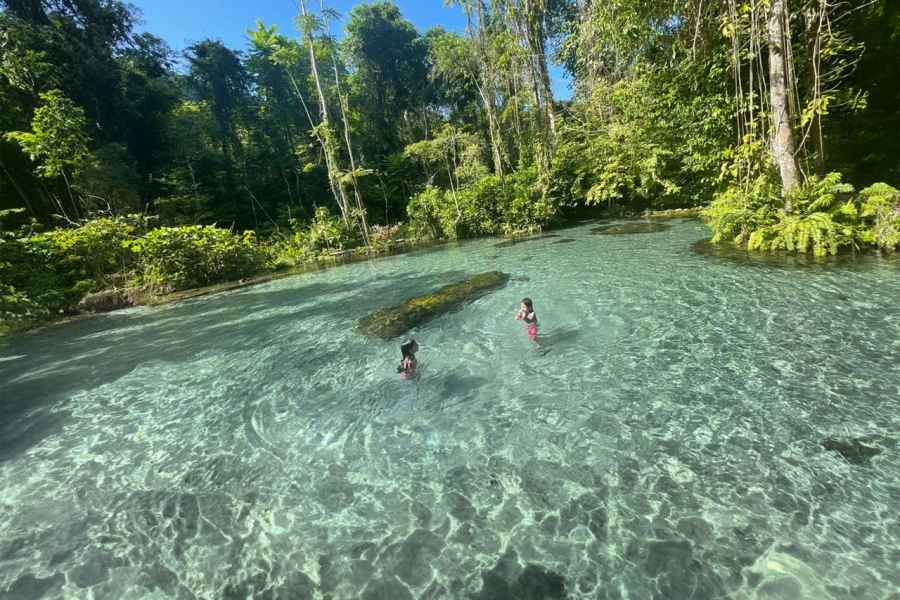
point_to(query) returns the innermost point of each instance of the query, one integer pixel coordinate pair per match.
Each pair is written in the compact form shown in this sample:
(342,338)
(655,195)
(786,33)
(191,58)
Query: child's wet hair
(527,302)
(406,348)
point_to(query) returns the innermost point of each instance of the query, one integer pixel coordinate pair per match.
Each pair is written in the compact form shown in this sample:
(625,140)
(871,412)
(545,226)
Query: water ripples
(664,441)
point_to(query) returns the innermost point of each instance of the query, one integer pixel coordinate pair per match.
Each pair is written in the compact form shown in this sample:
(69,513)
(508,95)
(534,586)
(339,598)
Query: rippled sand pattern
(665,441)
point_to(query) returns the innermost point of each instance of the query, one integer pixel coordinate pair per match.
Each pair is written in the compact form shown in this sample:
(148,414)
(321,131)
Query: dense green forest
(125,165)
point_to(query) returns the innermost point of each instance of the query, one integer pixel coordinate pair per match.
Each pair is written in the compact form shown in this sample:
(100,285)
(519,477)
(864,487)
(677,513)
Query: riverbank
(149,296)
(117,298)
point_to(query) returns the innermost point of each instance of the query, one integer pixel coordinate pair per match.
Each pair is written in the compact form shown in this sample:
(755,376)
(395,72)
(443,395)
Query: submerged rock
(388,323)
(105,301)
(630,228)
(674,213)
(521,240)
(564,241)
(854,450)
(515,242)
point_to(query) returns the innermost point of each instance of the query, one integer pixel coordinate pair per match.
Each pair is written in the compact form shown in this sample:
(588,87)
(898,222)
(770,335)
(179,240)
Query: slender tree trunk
(783,144)
(19,189)
(548,92)
(493,130)
(364,225)
(77,209)
(194,188)
(331,160)
(484,81)
(287,185)
(813,21)
(535,32)
(528,21)
(319,137)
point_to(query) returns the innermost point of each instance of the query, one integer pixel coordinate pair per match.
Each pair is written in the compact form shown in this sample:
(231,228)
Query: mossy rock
(630,228)
(105,301)
(391,322)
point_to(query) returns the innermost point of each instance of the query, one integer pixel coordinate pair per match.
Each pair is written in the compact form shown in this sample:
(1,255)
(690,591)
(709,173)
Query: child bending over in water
(407,367)
(526,313)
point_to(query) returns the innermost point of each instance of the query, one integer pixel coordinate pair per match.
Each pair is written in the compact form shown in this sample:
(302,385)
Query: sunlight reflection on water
(664,441)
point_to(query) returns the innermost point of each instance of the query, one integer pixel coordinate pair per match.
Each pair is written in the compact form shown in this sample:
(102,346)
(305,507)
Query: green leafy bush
(49,272)
(91,251)
(431,214)
(325,233)
(177,258)
(489,205)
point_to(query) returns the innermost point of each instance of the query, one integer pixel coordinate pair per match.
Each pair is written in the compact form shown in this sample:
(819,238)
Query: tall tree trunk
(331,159)
(783,144)
(535,33)
(493,129)
(485,83)
(363,225)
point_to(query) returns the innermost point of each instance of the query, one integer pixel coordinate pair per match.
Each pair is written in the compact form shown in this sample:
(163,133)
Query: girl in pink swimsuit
(526,313)
(407,367)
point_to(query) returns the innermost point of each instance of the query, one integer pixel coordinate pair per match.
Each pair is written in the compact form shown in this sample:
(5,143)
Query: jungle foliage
(301,144)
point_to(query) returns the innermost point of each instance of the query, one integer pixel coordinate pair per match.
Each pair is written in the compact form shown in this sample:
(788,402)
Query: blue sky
(181,22)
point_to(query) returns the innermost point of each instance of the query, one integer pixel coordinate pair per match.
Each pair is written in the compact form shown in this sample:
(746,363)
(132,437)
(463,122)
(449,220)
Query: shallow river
(664,441)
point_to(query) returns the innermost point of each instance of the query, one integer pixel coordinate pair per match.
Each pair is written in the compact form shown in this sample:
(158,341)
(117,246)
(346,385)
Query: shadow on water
(559,336)
(580,223)
(635,227)
(454,388)
(737,255)
(554,338)
(36,381)
(523,240)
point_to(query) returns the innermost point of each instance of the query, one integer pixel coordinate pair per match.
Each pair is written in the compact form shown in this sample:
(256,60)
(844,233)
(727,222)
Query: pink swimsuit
(407,368)
(531,325)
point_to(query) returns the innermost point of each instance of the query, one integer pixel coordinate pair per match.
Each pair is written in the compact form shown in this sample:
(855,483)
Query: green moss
(388,323)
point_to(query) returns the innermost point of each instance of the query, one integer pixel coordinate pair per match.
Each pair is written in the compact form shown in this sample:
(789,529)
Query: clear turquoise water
(664,442)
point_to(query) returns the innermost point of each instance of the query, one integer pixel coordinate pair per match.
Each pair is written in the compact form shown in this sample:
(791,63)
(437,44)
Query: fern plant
(824,219)
(817,233)
(826,216)
(737,212)
(880,208)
